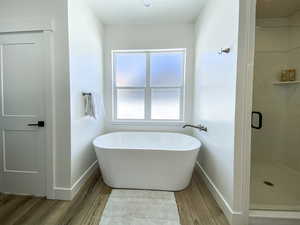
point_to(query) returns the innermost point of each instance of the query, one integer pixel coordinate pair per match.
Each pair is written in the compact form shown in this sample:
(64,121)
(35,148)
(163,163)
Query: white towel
(90,105)
(93,105)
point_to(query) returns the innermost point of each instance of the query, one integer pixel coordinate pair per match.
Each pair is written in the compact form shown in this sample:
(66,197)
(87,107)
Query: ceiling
(277,8)
(134,11)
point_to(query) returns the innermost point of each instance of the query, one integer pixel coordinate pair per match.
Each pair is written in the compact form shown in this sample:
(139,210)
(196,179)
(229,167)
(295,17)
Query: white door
(22,98)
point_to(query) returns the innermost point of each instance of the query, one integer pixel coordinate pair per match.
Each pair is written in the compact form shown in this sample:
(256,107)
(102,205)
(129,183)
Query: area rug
(137,207)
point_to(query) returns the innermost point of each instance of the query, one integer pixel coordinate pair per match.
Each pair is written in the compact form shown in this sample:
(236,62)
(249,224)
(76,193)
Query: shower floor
(283,195)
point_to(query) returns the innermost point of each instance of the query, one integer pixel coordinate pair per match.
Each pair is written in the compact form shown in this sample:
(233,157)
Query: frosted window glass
(130,104)
(166,69)
(130,69)
(165,104)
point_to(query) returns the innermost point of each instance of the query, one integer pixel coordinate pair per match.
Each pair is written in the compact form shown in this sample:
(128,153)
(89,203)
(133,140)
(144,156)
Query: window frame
(147,90)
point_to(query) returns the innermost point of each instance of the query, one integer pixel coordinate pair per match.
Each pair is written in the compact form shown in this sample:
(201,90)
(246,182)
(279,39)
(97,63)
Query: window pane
(130,69)
(166,69)
(130,104)
(165,104)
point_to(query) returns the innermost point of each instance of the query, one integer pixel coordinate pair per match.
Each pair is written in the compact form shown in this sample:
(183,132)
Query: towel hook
(224,50)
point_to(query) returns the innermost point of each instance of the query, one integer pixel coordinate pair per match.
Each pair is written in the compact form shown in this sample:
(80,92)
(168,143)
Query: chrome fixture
(199,127)
(224,50)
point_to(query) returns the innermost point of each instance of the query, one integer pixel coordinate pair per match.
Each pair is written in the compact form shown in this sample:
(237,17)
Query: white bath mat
(136,207)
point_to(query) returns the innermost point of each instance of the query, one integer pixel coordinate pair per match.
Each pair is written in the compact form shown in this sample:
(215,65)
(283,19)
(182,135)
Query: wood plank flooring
(196,207)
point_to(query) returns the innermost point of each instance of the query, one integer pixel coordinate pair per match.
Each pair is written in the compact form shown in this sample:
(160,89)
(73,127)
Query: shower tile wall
(277,48)
(270,58)
(291,155)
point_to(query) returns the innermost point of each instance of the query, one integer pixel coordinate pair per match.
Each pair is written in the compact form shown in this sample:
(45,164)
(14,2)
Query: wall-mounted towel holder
(89,104)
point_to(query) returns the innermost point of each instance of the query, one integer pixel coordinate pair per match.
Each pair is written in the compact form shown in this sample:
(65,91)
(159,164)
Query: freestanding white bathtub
(147,160)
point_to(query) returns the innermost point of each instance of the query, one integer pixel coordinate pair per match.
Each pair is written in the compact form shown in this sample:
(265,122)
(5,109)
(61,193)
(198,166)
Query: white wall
(118,37)
(215,93)
(16,12)
(86,75)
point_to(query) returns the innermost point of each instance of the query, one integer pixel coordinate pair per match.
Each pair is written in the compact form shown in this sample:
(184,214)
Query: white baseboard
(62,193)
(232,216)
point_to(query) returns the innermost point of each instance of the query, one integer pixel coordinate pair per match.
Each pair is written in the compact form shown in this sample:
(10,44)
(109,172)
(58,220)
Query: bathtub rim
(146,149)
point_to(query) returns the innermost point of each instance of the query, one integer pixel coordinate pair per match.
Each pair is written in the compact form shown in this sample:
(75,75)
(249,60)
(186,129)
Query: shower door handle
(260,118)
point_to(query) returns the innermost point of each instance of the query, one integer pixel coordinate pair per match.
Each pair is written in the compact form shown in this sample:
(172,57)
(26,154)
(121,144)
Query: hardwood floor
(196,207)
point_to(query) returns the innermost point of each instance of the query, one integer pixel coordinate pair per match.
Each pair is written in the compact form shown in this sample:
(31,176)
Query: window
(148,85)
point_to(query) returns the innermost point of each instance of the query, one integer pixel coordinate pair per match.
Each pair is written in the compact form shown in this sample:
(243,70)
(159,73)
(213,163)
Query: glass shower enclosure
(275,165)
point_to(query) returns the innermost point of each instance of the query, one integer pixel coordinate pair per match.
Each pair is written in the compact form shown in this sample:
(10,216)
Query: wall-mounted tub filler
(147,160)
(199,127)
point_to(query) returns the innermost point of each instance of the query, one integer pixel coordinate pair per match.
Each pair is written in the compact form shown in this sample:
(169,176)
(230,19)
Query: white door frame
(246,51)
(46,29)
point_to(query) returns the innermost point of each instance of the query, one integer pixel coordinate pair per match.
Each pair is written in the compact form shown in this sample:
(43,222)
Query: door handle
(38,124)
(260,118)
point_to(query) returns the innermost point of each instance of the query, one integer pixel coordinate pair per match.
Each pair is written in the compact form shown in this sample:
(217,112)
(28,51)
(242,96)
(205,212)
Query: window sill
(147,123)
